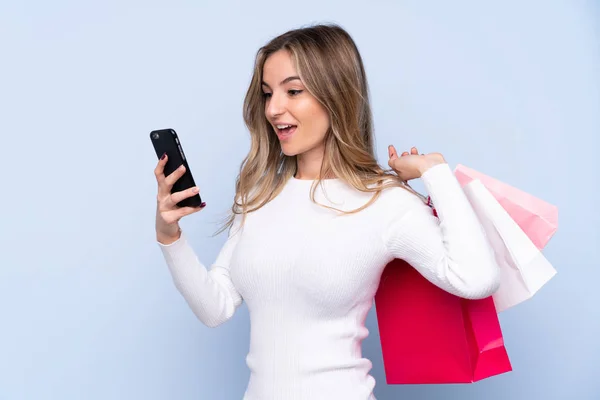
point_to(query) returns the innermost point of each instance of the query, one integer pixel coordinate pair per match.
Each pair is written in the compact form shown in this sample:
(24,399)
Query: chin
(289,151)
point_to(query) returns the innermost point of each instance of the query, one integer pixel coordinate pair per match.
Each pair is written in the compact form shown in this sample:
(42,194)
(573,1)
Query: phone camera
(155,136)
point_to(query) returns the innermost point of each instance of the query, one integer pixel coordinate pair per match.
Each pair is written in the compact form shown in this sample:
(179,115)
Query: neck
(309,164)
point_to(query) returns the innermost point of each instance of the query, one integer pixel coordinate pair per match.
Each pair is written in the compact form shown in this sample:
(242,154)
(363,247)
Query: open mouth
(285,131)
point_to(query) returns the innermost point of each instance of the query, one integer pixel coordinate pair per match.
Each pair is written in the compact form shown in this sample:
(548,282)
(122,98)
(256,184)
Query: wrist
(167,238)
(431,161)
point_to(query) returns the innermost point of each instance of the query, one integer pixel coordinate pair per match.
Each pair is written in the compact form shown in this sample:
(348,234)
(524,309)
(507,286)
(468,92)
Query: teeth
(283,126)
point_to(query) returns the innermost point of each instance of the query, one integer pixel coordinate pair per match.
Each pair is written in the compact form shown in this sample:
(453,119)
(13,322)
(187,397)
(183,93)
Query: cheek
(324,120)
(316,117)
(321,123)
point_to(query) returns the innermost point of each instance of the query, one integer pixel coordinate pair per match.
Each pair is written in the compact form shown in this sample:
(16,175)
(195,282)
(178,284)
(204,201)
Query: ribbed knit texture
(309,275)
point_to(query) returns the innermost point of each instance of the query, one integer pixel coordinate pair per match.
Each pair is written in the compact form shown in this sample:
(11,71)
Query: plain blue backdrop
(87,306)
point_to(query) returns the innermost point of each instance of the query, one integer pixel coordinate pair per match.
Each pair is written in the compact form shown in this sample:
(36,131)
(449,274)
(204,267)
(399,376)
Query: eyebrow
(283,82)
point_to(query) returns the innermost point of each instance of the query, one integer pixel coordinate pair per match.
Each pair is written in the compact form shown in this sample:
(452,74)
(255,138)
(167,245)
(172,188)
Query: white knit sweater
(309,275)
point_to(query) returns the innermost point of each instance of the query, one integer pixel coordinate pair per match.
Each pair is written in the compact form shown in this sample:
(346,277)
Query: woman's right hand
(168,213)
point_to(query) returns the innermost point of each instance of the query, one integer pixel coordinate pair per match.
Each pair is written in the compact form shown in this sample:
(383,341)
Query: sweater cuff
(440,181)
(179,249)
(437,172)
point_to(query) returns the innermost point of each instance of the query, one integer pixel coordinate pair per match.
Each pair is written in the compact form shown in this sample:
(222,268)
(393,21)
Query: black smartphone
(167,141)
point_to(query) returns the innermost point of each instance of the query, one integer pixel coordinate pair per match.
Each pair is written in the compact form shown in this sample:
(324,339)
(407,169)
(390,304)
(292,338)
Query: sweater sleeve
(451,250)
(210,293)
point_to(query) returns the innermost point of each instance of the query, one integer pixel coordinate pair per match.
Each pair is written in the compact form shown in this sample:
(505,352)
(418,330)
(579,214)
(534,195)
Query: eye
(266,95)
(294,92)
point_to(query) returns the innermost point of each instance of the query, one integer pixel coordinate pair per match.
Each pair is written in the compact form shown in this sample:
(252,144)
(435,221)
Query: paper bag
(523,267)
(537,218)
(429,336)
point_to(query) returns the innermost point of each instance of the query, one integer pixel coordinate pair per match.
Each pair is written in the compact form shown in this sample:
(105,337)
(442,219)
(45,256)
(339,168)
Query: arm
(210,293)
(450,251)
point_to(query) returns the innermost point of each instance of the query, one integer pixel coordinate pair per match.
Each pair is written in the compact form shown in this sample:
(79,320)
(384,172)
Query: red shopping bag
(430,336)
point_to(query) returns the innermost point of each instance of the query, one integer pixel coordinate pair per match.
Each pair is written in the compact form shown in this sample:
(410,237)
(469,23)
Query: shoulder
(399,207)
(400,199)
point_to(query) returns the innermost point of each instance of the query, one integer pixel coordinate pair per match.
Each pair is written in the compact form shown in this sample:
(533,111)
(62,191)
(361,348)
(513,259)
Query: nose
(275,106)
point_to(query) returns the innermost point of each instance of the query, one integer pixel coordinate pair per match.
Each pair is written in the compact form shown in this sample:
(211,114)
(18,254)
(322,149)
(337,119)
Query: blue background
(87,307)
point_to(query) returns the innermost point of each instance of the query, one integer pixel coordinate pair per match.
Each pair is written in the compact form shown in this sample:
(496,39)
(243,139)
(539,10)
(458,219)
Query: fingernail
(195,190)
(163,156)
(203,204)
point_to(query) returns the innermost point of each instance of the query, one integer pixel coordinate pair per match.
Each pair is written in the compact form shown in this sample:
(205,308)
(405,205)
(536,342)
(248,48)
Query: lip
(284,136)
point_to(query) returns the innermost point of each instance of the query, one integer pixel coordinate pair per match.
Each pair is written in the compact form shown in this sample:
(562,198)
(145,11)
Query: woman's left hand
(412,165)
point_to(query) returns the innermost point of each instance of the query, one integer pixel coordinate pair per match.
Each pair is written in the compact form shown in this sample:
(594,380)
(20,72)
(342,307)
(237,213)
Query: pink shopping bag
(518,226)
(537,218)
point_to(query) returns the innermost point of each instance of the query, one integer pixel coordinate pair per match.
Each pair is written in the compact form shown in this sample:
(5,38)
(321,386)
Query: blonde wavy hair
(330,66)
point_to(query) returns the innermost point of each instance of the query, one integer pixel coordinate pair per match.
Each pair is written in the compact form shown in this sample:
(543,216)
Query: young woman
(315,221)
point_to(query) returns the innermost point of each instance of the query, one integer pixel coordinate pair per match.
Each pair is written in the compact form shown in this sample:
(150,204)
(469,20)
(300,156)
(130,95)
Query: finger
(404,154)
(184,194)
(183,211)
(175,215)
(159,172)
(414,151)
(392,152)
(174,176)
(160,167)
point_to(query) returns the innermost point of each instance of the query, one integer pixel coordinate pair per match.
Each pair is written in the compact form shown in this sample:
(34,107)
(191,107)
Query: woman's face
(299,120)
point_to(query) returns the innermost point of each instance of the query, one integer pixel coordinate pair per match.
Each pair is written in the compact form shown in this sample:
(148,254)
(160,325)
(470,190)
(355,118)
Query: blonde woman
(314,222)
